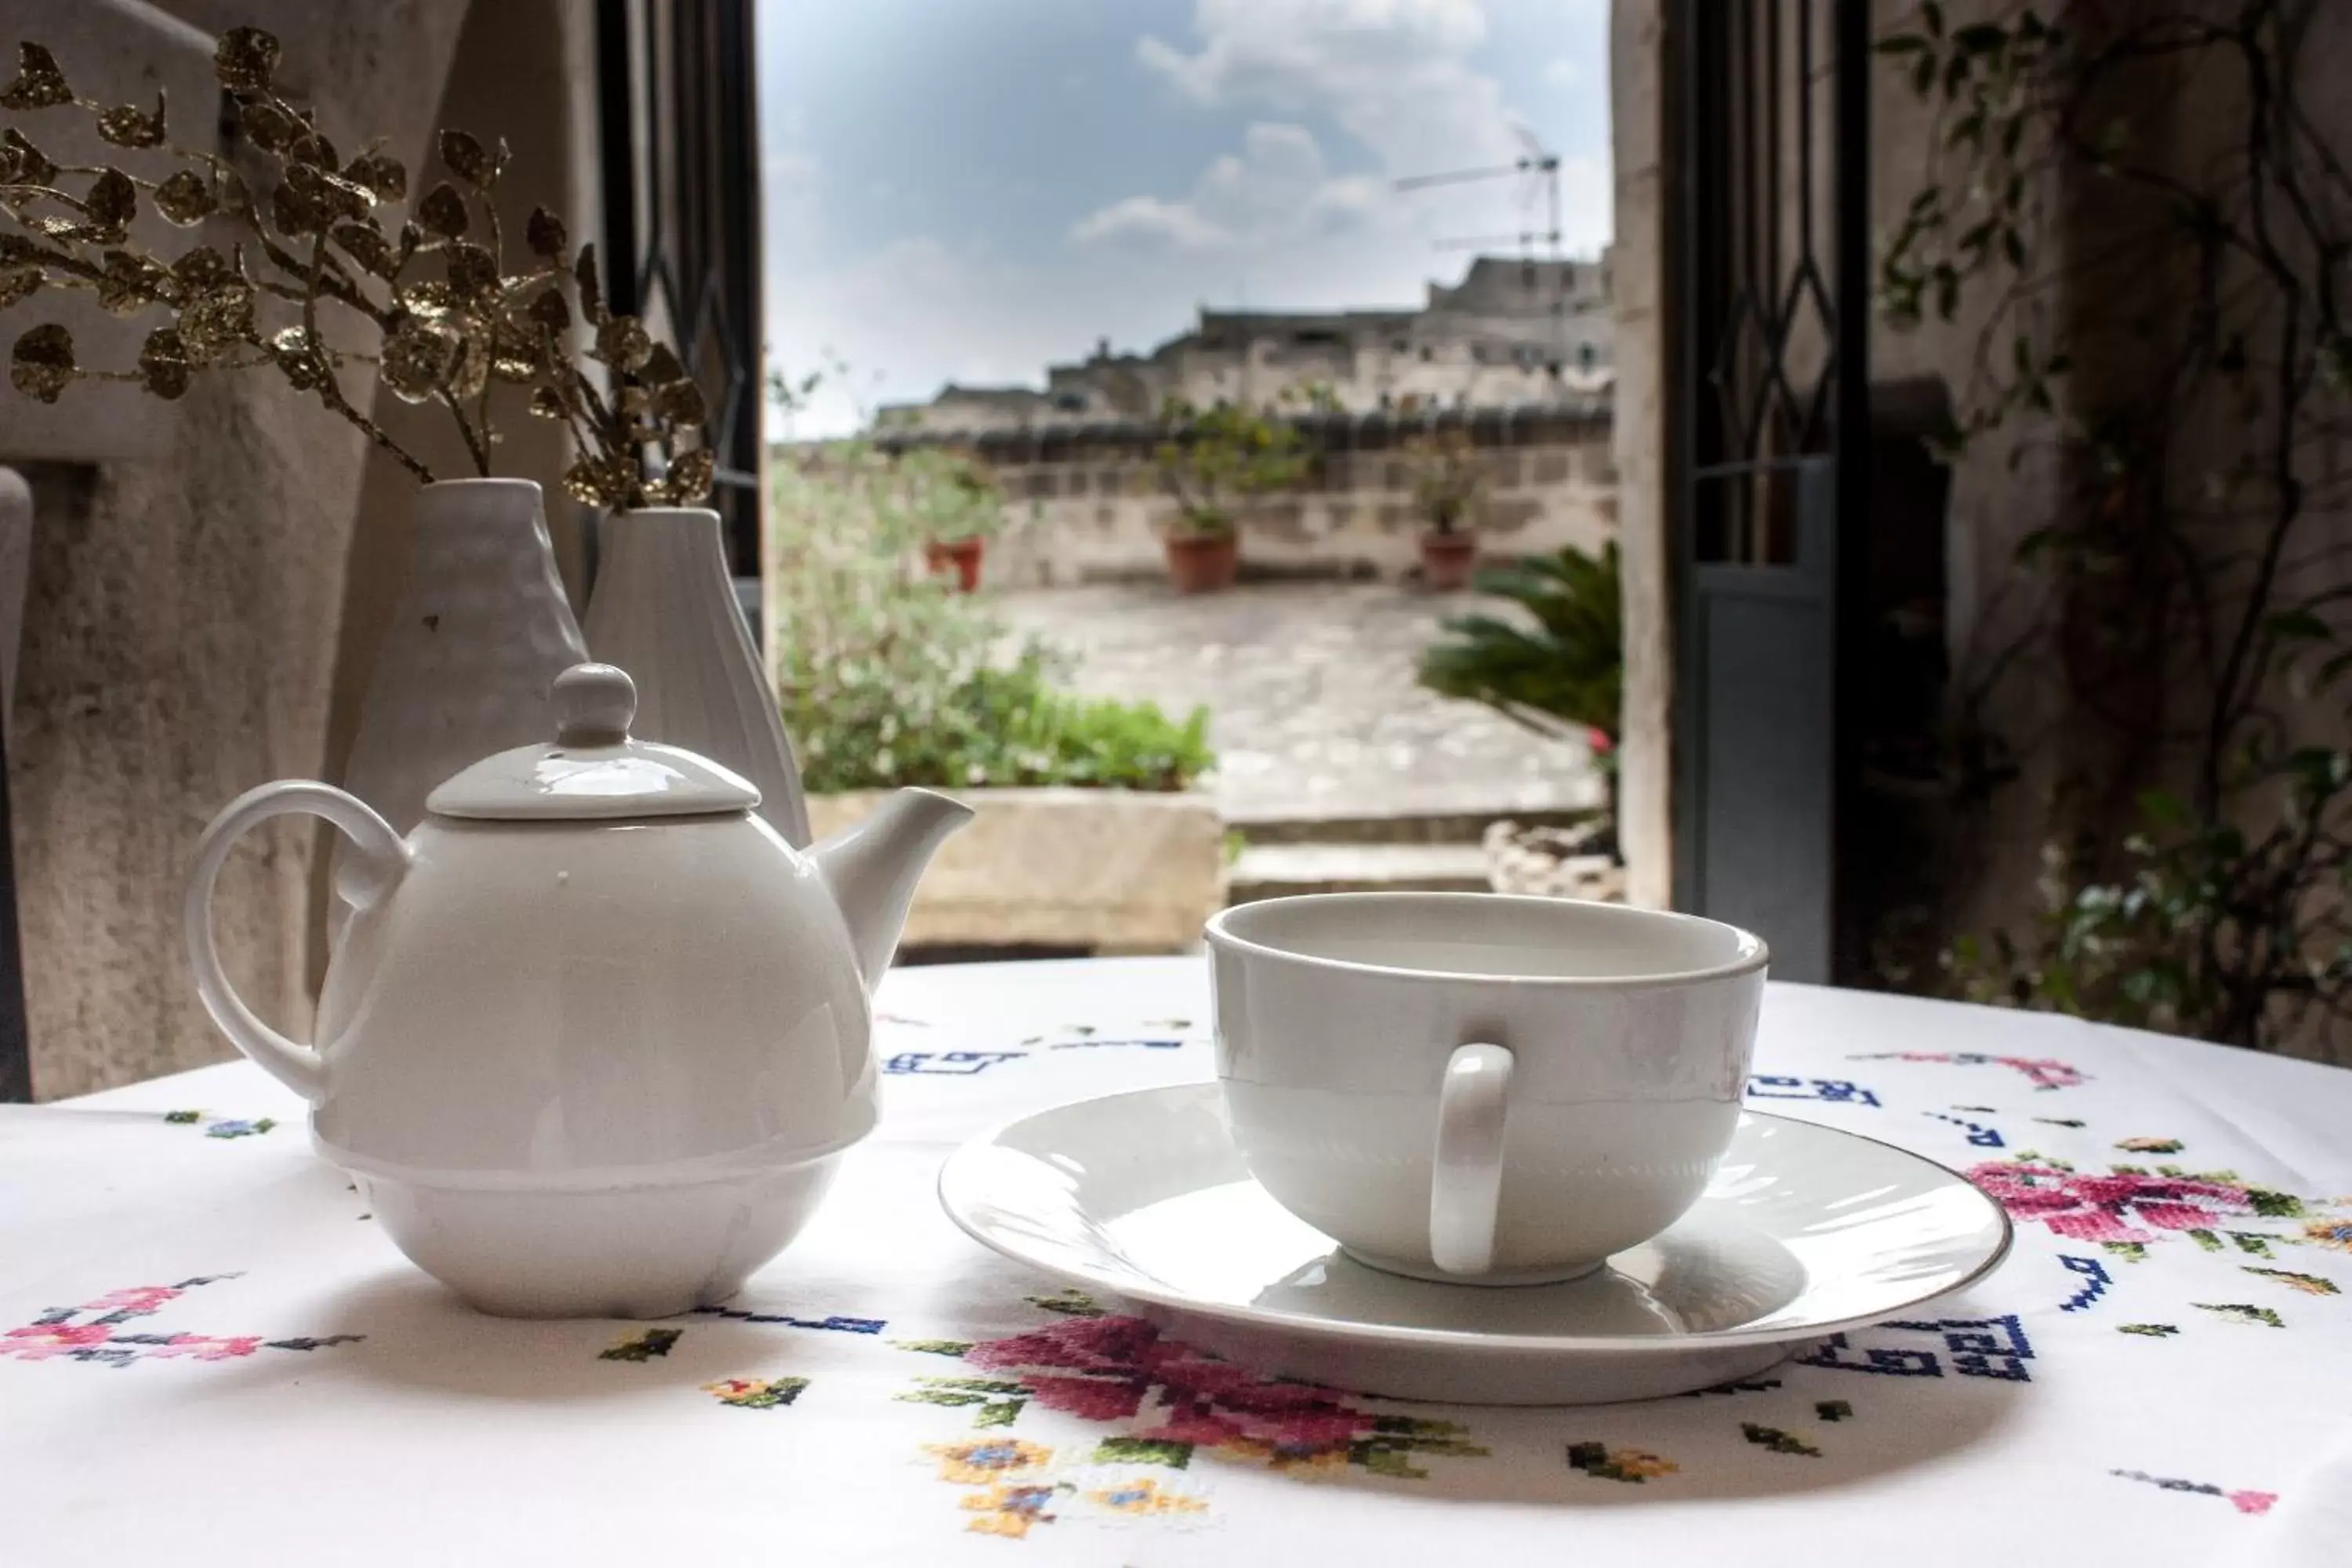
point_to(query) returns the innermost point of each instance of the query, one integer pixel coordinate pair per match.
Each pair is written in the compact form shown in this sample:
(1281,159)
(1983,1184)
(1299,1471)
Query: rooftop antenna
(1536,169)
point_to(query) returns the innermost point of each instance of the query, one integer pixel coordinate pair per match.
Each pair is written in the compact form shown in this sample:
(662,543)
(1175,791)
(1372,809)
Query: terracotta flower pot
(963,554)
(1446,559)
(1202,563)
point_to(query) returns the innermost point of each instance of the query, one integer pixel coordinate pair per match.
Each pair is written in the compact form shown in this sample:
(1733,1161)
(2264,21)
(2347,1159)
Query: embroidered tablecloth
(209,1353)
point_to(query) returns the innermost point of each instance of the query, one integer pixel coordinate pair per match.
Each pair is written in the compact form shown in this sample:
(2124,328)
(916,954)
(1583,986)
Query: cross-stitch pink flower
(38,1342)
(209,1347)
(1107,1366)
(139,1300)
(2103,1208)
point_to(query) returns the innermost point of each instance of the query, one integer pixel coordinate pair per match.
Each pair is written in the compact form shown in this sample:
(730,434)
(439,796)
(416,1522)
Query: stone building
(1514,333)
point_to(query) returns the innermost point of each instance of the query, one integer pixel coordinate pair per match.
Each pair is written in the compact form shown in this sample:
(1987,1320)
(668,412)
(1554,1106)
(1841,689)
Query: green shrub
(886,677)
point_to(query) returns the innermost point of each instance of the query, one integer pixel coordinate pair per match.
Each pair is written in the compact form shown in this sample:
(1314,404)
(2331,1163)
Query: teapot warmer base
(629,1252)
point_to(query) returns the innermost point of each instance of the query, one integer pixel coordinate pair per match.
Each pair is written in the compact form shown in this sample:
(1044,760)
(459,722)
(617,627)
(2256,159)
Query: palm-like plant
(1562,676)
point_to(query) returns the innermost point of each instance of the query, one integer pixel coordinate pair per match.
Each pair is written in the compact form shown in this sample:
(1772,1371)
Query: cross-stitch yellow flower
(987,1460)
(2335,1232)
(1009,1511)
(1143,1497)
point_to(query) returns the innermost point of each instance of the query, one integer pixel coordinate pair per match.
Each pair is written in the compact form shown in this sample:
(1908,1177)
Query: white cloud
(1393,74)
(1563,72)
(1277,186)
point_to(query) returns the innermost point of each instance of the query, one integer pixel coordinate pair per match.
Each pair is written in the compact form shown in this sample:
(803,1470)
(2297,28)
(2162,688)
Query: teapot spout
(871,869)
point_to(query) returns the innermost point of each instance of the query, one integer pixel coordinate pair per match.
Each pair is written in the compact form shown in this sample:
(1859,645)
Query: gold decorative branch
(325,238)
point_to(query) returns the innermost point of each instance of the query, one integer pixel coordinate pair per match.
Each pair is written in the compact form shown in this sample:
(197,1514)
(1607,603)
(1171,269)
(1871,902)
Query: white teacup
(1474,1087)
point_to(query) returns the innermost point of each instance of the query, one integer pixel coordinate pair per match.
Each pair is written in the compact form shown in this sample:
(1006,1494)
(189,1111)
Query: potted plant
(1212,462)
(956,507)
(1560,670)
(328,270)
(1446,486)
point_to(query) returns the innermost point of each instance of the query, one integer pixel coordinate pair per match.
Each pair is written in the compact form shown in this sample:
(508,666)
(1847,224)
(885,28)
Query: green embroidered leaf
(2274,1206)
(2309,1284)
(1833,1410)
(2206,1239)
(2240,1311)
(933,1347)
(1003,1413)
(2152,1331)
(1779,1442)
(650,1345)
(1143,1451)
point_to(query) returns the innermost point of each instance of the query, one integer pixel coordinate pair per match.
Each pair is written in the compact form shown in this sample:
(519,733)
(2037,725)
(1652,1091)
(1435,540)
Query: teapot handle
(383,859)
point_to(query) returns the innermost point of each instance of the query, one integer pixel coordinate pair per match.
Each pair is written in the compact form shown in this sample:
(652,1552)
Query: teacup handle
(384,858)
(1466,1177)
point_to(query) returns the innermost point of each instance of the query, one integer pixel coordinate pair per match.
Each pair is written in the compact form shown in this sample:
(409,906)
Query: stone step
(1277,871)
(1405,828)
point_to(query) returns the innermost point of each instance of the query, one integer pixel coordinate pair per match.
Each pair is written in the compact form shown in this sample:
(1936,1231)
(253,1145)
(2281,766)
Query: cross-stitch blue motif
(961,1064)
(839,1325)
(1147,1045)
(1836,1090)
(1981,1136)
(2096,1281)
(1976,1347)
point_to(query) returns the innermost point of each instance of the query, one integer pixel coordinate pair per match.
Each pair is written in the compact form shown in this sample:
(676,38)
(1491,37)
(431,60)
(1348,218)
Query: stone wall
(192,581)
(1087,505)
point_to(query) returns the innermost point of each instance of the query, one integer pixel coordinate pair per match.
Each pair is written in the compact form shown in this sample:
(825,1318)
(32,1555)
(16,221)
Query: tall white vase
(481,630)
(663,609)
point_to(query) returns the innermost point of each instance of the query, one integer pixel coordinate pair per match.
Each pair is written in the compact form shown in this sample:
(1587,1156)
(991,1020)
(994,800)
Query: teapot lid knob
(593,705)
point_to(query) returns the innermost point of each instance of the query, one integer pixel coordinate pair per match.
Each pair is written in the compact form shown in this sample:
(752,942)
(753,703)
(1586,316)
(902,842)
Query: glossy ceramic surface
(663,609)
(1803,1232)
(1471,1087)
(481,628)
(596,1056)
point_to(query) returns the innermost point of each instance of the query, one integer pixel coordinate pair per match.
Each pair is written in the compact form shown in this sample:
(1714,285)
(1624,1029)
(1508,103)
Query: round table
(209,1353)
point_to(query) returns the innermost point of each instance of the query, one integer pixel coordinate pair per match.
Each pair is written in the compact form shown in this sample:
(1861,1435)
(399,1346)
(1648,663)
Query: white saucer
(1804,1232)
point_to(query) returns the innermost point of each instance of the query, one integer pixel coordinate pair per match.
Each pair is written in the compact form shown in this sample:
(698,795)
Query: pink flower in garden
(2104,1209)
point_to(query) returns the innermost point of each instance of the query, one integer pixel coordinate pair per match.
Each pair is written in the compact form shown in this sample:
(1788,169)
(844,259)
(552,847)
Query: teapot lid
(592,771)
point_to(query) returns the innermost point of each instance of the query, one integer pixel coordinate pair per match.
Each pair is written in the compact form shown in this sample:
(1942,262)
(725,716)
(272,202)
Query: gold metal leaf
(75,232)
(201,267)
(365,244)
(334,196)
(547,404)
(621,342)
(15,247)
(38,85)
(22,163)
(443,211)
(429,299)
(382,178)
(514,353)
(163,364)
(113,200)
(131,283)
(18,286)
(42,365)
(473,272)
(466,159)
(269,127)
(418,357)
(314,148)
(549,310)
(185,198)
(299,359)
(597,484)
(246,59)
(217,320)
(126,125)
(546,235)
(471,370)
(662,366)
(680,403)
(634,400)
(591,299)
(689,476)
(296,210)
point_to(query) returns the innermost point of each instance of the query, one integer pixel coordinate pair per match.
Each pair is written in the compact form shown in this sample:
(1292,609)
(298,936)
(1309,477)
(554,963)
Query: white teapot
(596,1038)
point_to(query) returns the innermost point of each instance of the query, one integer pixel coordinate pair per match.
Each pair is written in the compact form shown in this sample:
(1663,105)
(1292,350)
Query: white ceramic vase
(663,609)
(481,631)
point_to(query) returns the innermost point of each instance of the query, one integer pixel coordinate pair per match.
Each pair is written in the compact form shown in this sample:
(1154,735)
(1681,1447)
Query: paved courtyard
(1313,706)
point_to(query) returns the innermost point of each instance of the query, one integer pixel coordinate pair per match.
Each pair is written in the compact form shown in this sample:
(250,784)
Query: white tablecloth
(209,1355)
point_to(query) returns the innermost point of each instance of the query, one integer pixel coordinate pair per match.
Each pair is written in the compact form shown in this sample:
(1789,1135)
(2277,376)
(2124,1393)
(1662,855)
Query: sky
(967,190)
